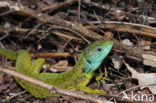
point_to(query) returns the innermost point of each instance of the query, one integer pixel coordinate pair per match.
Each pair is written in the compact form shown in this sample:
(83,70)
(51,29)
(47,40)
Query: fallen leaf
(62,63)
(60,66)
(145,43)
(117,62)
(149,60)
(127,42)
(108,35)
(145,79)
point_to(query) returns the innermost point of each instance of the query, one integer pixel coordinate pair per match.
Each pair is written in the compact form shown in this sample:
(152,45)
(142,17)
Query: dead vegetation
(58,30)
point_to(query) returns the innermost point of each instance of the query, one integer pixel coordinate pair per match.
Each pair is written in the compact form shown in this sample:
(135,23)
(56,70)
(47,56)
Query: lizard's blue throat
(90,66)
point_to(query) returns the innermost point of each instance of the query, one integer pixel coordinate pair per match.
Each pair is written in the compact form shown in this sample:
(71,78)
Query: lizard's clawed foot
(101,78)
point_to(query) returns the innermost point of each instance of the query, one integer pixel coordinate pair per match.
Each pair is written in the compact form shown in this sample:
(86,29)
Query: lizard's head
(95,53)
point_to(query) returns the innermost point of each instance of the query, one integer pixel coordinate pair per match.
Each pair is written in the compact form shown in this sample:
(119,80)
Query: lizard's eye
(99,49)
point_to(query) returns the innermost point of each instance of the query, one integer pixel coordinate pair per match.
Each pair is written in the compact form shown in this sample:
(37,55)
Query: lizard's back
(65,80)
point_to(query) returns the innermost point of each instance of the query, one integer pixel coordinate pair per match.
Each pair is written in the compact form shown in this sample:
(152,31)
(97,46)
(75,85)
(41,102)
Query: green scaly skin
(75,79)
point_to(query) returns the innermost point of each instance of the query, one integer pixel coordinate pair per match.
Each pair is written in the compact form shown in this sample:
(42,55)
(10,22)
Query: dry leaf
(127,42)
(61,66)
(117,62)
(149,60)
(144,79)
(108,35)
(62,63)
(145,43)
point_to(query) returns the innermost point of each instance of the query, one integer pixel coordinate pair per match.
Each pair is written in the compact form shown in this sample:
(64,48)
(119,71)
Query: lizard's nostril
(89,61)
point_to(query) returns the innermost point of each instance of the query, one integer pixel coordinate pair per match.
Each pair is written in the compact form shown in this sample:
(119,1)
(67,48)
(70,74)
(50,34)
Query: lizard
(75,79)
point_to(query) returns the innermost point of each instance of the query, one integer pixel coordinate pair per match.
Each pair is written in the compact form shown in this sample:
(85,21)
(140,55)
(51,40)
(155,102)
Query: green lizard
(75,79)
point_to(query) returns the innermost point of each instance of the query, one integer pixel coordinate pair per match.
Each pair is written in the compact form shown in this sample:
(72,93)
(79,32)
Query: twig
(8,99)
(49,19)
(31,31)
(78,11)
(66,36)
(52,55)
(117,11)
(35,31)
(56,6)
(129,27)
(53,88)
(118,47)
(56,68)
(133,51)
(59,27)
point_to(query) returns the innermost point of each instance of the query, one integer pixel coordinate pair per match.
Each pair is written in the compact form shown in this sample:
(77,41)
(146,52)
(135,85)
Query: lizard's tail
(8,53)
